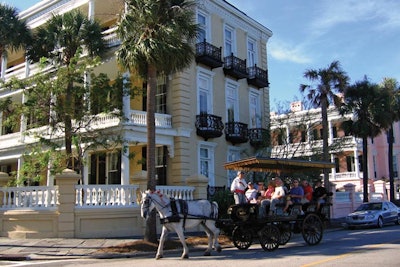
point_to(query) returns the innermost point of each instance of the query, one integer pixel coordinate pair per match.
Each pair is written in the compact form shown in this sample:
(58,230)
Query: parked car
(377,213)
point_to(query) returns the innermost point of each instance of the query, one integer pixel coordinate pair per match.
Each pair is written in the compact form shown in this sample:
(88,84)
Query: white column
(330,132)
(126,98)
(287,134)
(356,164)
(333,170)
(50,177)
(27,67)
(91,10)
(23,122)
(86,168)
(20,162)
(1,122)
(125,164)
(3,66)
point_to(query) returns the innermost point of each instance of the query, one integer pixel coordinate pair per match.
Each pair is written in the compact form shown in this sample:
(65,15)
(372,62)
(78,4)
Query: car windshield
(370,206)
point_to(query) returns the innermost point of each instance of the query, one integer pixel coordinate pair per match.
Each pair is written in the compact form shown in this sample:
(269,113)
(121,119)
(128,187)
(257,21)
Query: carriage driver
(238,187)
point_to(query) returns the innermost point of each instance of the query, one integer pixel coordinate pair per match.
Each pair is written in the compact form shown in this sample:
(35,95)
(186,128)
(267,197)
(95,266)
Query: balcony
(236,132)
(257,77)
(258,137)
(209,126)
(208,55)
(235,67)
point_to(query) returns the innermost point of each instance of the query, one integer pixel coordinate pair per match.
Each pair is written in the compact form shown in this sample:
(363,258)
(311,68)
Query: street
(362,247)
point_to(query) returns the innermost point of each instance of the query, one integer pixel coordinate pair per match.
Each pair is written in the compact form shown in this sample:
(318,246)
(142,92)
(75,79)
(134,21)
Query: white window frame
(231,41)
(233,154)
(205,26)
(255,115)
(210,147)
(252,55)
(207,77)
(232,99)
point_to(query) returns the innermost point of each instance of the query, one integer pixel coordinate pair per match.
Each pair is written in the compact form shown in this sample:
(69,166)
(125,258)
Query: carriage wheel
(285,235)
(312,229)
(269,237)
(242,238)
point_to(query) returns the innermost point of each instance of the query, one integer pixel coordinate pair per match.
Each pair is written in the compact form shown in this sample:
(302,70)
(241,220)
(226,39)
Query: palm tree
(328,82)
(391,89)
(60,40)
(365,101)
(157,38)
(14,33)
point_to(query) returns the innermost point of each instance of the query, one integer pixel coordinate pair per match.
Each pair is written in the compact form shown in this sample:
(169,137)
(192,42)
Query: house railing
(179,192)
(32,197)
(91,196)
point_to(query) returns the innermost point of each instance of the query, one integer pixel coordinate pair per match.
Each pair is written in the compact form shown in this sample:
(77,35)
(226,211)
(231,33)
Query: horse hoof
(207,253)
(219,249)
(185,256)
(158,257)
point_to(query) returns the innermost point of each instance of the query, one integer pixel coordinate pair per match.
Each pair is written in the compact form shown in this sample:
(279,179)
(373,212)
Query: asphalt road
(362,247)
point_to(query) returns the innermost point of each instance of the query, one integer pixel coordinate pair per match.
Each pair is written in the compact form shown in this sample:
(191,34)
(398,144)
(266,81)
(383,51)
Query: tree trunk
(325,145)
(68,125)
(390,160)
(365,169)
(151,233)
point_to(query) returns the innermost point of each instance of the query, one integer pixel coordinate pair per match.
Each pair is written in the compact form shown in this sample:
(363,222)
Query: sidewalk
(61,248)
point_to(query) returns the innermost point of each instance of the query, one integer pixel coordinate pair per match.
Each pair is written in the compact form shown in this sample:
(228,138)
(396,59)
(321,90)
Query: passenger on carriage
(251,193)
(320,194)
(238,187)
(308,191)
(296,194)
(278,196)
(260,189)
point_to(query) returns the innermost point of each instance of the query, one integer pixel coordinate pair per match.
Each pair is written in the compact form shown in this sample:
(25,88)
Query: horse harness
(175,217)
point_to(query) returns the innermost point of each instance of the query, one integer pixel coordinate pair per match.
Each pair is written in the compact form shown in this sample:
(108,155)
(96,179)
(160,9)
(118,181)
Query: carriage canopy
(261,164)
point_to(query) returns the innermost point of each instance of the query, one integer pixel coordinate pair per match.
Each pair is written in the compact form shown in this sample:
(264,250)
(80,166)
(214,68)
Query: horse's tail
(214,210)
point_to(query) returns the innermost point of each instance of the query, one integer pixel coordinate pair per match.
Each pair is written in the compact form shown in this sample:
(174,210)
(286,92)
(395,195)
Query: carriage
(244,225)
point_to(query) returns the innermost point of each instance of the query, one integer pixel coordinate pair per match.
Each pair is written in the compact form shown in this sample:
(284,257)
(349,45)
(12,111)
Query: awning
(259,164)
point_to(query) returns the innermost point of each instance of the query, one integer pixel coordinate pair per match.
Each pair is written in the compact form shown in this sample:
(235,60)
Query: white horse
(180,215)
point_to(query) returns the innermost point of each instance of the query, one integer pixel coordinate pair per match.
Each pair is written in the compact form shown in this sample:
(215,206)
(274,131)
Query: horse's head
(147,204)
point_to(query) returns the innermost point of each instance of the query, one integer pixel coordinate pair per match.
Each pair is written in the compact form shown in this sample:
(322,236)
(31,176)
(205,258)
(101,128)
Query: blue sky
(364,36)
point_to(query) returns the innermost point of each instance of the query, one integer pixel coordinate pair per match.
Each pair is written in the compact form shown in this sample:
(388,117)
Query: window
(255,110)
(229,41)
(202,21)
(337,168)
(204,90)
(161,95)
(206,161)
(350,163)
(233,155)
(232,101)
(114,168)
(161,163)
(251,52)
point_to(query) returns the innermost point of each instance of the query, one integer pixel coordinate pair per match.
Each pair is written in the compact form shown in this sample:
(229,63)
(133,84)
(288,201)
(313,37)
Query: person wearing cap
(238,187)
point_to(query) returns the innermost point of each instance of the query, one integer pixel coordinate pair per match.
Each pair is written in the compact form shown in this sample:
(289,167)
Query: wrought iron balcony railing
(235,67)
(208,55)
(258,137)
(257,77)
(209,126)
(236,132)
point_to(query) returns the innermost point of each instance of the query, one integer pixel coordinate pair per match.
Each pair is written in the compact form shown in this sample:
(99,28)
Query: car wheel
(379,224)
(398,220)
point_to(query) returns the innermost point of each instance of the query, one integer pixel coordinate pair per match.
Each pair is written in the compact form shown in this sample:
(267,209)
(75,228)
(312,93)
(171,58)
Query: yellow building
(215,111)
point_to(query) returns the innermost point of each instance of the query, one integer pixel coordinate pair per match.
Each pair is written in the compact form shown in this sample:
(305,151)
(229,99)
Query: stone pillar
(66,182)
(200,182)
(3,181)
(125,164)
(380,187)
(351,189)
(140,178)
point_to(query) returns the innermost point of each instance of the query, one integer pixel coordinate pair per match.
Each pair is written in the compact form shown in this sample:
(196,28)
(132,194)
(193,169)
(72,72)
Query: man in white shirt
(238,187)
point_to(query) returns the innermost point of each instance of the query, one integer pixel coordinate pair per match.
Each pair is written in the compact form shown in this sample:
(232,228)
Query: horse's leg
(214,234)
(179,231)
(210,239)
(160,250)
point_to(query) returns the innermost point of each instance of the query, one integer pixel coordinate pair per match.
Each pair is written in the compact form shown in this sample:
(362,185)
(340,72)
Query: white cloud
(283,52)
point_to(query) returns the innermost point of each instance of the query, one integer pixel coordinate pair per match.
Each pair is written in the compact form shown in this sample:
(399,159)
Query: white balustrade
(177,192)
(29,197)
(140,118)
(92,196)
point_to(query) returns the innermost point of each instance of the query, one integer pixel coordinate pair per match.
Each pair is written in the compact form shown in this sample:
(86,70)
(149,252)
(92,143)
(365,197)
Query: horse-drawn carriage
(245,225)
